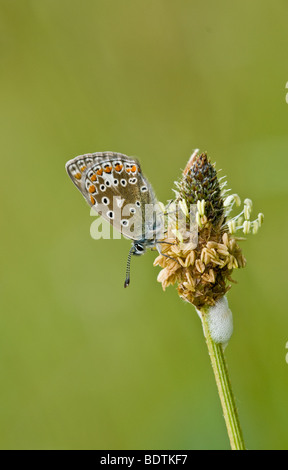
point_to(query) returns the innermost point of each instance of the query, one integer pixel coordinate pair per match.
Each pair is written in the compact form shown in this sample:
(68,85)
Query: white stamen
(183,207)
(232,226)
(201,207)
(177,234)
(198,219)
(260,219)
(240,221)
(247,212)
(248,202)
(237,200)
(255,227)
(246,227)
(229,200)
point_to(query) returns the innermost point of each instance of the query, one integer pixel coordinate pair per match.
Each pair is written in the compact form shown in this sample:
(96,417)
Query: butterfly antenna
(127,280)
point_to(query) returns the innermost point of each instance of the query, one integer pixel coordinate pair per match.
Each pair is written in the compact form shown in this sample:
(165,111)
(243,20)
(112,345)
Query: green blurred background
(84,363)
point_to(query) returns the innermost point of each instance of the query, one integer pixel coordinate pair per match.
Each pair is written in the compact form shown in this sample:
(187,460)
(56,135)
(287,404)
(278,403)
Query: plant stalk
(224,388)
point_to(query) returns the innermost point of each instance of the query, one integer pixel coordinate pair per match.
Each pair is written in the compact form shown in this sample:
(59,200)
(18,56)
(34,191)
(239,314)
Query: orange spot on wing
(108,169)
(118,167)
(99,172)
(78,176)
(128,170)
(92,189)
(134,168)
(92,200)
(93,178)
(83,168)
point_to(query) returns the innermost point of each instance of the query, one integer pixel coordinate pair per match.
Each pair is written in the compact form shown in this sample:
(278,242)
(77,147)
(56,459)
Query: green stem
(224,388)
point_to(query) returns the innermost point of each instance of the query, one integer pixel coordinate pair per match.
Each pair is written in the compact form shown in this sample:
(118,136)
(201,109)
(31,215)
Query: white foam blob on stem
(220,322)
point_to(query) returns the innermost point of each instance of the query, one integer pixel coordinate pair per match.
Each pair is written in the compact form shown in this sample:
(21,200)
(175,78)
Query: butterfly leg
(163,254)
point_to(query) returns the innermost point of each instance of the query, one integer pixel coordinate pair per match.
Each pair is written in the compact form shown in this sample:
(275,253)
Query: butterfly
(114,185)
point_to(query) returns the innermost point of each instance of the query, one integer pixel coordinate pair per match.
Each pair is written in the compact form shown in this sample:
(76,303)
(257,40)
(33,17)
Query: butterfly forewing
(114,185)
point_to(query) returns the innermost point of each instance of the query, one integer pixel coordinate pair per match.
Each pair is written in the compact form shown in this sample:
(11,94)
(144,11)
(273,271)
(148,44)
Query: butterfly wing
(113,184)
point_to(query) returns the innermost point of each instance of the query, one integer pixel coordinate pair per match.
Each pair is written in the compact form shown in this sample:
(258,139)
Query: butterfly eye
(139,249)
